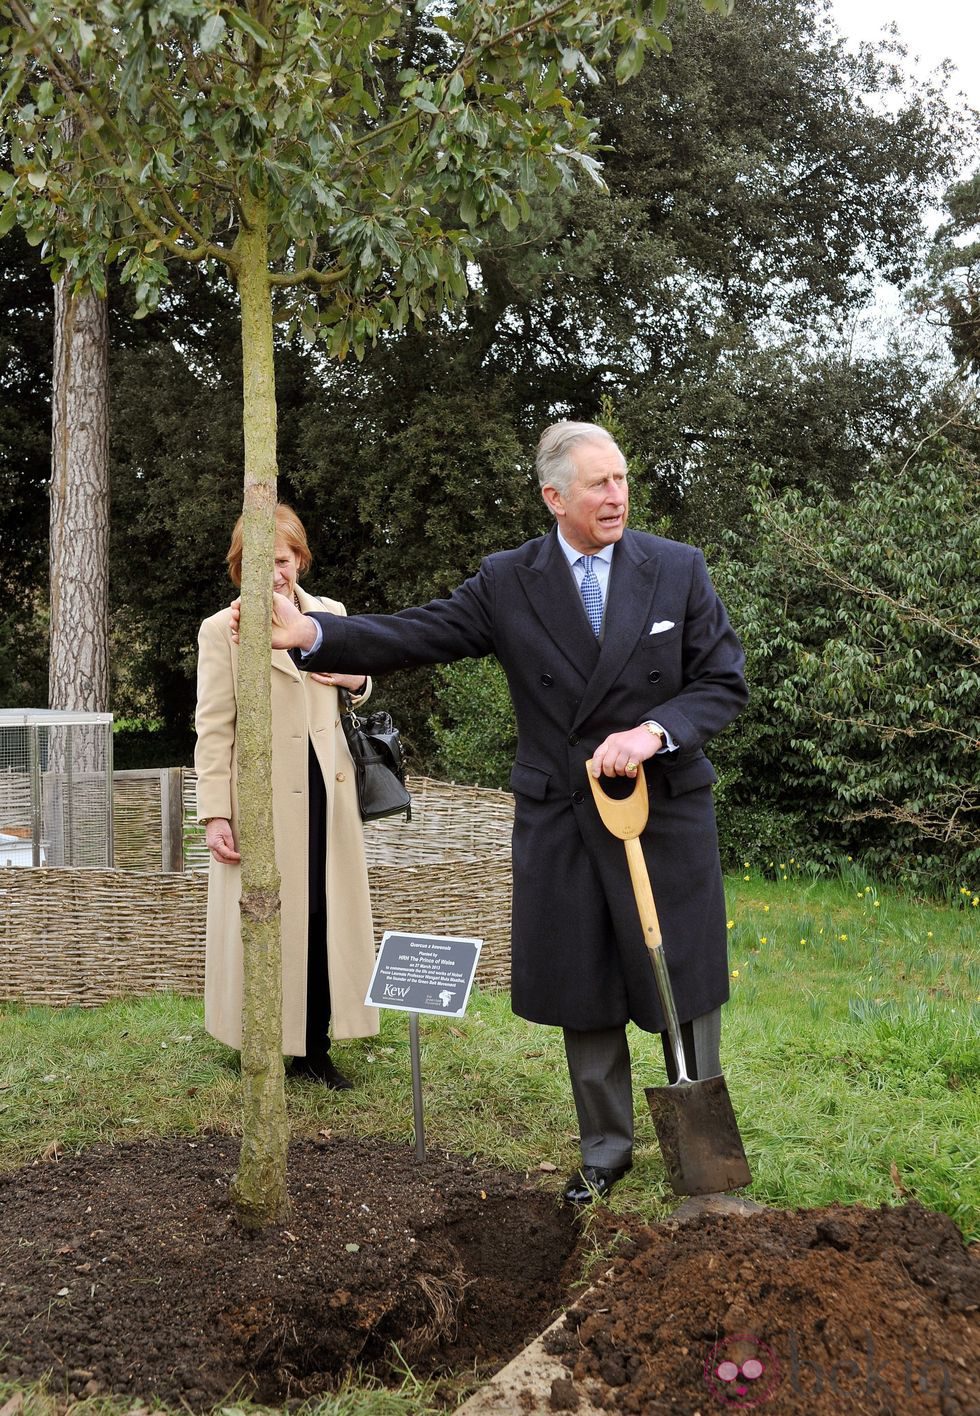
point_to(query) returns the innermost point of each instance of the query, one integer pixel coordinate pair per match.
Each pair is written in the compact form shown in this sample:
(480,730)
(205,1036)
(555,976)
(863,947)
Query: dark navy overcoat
(669,653)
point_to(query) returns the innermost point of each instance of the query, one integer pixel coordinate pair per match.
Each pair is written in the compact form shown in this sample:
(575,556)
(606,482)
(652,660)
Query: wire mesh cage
(55,788)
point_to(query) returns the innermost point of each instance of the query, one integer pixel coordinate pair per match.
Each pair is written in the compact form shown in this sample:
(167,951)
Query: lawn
(850,1047)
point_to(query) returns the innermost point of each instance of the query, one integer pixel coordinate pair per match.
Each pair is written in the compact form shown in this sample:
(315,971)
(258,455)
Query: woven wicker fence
(84,936)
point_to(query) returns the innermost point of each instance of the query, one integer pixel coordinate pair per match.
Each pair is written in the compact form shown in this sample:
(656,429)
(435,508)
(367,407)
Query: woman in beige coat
(327,931)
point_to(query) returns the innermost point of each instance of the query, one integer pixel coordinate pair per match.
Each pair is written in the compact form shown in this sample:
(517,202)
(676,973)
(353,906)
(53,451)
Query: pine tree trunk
(79,555)
(259,1186)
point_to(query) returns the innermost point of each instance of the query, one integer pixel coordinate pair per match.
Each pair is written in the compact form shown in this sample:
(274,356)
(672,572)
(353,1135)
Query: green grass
(851,1047)
(360,1396)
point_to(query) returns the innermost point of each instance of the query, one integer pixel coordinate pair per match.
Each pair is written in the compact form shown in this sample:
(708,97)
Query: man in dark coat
(617,648)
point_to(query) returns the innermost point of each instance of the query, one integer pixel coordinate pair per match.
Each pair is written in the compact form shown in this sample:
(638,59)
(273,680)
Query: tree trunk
(259,1186)
(79,555)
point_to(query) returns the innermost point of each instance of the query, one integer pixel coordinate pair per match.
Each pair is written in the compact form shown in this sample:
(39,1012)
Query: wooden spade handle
(647,910)
(644,895)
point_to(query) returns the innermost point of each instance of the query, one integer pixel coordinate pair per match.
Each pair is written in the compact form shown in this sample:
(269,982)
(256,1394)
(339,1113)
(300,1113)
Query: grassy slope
(850,1045)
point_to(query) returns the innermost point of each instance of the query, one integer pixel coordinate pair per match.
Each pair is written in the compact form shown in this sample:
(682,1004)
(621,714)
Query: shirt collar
(572,555)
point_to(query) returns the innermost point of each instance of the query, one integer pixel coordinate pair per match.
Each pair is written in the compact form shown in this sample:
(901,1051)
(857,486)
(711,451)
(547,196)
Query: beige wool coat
(302,711)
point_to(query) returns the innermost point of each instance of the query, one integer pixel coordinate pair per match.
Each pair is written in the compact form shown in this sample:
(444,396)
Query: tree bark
(79,555)
(259,1186)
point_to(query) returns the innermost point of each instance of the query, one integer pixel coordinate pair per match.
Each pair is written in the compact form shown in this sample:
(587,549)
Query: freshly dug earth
(828,1312)
(124,1270)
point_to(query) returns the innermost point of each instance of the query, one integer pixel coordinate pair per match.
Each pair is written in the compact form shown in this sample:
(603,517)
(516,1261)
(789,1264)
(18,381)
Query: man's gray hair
(554,456)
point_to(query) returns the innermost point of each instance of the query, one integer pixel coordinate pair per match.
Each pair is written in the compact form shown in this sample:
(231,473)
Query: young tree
(339,161)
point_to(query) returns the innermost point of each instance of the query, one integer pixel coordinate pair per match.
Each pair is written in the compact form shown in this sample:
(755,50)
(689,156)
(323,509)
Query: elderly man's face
(593,512)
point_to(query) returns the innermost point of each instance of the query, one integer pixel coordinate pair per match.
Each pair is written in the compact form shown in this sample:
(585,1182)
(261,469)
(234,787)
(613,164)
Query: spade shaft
(646,906)
(694,1120)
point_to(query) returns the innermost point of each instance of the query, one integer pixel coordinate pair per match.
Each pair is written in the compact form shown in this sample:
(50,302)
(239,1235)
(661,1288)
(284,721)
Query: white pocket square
(661,626)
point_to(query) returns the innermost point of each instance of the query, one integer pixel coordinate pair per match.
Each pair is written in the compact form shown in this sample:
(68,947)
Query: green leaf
(46,103)
(243,21)
(630,61)
(212,32)
(8,216)
(509,216)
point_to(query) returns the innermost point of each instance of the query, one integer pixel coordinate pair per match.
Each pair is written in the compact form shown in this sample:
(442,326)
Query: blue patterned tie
(591,594)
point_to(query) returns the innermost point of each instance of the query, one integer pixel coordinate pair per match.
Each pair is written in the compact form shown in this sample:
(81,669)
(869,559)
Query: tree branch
(310,276)
(889,730)
(73,88)
(809,555)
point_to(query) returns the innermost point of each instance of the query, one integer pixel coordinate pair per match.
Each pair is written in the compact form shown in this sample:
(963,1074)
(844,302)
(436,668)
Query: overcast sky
(931,29)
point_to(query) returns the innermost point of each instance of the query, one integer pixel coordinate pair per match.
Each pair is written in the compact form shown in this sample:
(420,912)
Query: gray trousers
(602,1083)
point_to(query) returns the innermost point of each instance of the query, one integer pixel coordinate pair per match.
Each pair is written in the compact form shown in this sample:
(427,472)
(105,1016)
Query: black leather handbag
(376,750)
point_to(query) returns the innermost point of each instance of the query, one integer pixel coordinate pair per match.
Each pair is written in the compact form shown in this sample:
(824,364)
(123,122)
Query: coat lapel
(285,665)
(553,595)
(629,605)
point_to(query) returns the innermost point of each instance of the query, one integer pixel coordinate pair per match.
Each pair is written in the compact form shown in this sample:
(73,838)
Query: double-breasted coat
(668,653)
(302,712)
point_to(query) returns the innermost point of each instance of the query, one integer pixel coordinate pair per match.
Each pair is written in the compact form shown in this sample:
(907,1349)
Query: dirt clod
(834,1312)
(564,1397)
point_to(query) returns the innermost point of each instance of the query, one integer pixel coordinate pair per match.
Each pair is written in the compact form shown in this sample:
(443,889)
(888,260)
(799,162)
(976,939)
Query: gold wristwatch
(654,731)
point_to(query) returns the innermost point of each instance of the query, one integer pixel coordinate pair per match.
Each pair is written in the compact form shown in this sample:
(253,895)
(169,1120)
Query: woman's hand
(354,683)
(221,841)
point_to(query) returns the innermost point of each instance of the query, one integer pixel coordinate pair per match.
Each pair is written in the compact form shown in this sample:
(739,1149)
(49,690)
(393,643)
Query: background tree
(78,675)
(860,622)
(25,469)
(558,311)
(955,272)
(301,147)
(712,294)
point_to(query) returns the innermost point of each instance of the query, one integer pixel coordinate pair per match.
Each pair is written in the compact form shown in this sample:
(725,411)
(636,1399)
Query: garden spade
(694,1120)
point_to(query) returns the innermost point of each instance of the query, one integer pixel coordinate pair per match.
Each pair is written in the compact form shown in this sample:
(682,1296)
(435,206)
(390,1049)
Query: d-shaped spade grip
(626,817)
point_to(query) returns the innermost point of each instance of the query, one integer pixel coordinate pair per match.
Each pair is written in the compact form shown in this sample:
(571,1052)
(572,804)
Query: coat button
(573,739)
(578,798)
(653,676)
(341,777)
(546,680)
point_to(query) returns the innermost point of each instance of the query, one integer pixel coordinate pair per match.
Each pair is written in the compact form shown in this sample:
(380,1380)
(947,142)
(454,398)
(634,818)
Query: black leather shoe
(592,1182)
(322,1070)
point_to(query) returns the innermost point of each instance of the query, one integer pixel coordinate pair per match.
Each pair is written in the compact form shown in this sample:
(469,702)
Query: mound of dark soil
(124,1270)
(832,1312)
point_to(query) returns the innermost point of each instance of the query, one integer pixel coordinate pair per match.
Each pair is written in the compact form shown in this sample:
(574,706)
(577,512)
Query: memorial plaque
(424,973)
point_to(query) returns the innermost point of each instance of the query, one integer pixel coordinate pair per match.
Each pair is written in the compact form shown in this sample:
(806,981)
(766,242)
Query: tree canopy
(378,138)
(759,178)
